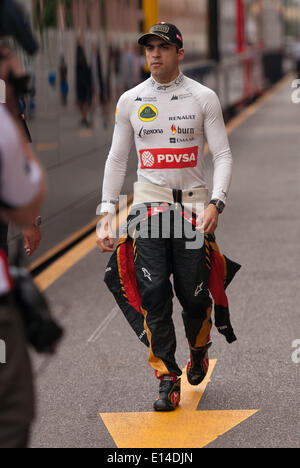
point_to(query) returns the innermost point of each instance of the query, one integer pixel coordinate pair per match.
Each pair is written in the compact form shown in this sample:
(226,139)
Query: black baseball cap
(14,22)
(166,31)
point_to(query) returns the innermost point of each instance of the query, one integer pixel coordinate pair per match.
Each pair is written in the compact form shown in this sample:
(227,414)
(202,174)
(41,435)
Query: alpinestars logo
(145,99)
(146,274)
(198,289)
(179,97)
(166,158)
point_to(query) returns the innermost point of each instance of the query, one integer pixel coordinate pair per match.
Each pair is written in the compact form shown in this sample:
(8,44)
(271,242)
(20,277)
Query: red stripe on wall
(240,25)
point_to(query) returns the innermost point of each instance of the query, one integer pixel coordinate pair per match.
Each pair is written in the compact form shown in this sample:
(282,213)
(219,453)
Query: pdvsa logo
(2,92)
(165,158)
(148,113)
(147,159)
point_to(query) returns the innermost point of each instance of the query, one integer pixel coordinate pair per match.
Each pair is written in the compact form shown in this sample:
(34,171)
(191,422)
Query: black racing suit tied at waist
(121,280)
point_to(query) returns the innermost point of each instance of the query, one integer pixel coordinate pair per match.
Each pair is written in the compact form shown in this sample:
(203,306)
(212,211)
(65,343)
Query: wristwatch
(218,204)
(38,221)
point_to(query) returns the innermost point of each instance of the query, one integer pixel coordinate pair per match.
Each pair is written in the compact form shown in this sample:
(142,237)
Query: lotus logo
(148,113)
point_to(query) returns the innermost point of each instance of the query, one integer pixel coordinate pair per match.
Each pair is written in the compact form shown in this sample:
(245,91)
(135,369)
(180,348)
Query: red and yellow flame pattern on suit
(145,296)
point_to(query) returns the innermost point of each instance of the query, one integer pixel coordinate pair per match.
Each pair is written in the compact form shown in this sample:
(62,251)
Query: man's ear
(181,54)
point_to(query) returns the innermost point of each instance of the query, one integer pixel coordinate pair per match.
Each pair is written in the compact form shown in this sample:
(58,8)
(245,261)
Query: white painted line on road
(103,325)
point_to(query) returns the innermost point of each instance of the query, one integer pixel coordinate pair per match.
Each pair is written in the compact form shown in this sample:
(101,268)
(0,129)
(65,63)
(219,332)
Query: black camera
(42,331)
(13,22)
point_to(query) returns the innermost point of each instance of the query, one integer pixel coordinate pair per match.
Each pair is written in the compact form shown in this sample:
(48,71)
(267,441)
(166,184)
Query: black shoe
(198,364)
(169,393)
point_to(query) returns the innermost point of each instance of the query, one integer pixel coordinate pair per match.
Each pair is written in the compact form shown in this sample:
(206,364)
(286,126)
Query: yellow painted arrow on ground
(183,428)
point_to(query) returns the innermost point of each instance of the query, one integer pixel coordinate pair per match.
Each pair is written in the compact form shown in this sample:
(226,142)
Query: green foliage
(49,17)
(68,13)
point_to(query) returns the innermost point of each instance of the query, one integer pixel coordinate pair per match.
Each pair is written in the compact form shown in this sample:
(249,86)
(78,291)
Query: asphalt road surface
(101,367)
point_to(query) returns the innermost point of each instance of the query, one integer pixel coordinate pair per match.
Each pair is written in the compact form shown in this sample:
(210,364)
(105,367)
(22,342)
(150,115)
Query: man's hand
(105,239)
(207,221)
(32,236)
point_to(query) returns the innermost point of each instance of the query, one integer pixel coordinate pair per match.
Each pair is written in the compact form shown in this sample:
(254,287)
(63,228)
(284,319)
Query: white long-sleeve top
(20,181)
(169,124)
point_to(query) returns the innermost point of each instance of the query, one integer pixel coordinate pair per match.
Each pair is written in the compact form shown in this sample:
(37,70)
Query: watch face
(38,221)
(220,206)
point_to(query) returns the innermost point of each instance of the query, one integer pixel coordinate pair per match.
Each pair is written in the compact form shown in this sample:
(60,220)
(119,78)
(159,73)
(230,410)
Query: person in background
(22,189)
(296,55)
(84,85)
(12,72)
(64,87)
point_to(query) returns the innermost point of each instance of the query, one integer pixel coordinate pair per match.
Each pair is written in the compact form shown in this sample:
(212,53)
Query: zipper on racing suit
(177,196)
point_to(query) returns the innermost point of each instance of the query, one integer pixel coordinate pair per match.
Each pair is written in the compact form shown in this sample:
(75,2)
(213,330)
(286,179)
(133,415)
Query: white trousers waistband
(150,193)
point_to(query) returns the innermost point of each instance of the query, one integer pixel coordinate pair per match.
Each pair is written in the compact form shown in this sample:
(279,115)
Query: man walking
(168,117)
